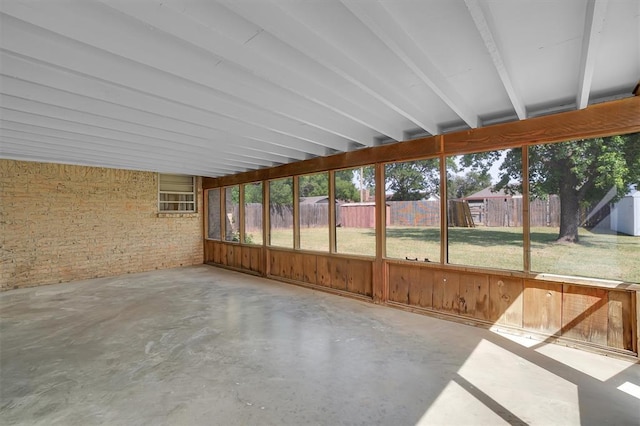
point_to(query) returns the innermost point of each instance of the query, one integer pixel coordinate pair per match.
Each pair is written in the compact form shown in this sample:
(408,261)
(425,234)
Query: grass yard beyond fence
(598,255)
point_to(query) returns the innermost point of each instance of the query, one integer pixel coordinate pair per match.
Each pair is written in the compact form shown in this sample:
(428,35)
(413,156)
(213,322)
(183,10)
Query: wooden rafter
(594,21)
(615,117)
(492,47)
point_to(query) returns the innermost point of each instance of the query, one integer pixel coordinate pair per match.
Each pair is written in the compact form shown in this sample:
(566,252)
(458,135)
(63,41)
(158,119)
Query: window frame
(193,193)
(208,209)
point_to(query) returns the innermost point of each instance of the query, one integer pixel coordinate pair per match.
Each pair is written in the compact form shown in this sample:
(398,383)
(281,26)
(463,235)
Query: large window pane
(585,211)
(232,210)
(281,212)
(413,210)
(314,211)
(355,211)
(253,213)
(213,219)
(485,209)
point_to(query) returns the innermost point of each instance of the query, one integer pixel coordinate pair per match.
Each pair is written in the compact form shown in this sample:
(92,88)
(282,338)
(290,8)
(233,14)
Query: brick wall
(61,223)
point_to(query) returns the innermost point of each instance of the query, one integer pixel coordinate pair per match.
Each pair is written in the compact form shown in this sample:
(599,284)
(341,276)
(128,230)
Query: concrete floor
(203,345)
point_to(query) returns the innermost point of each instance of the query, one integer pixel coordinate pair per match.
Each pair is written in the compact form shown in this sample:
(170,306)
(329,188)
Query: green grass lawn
(598,255)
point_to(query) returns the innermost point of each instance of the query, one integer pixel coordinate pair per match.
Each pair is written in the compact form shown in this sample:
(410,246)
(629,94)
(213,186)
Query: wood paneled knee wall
(602,318)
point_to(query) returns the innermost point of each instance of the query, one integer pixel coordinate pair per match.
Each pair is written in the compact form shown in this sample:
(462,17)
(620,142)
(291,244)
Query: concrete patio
(203,345)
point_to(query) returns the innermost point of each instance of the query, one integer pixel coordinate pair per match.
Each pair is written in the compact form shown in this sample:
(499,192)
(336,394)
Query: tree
(580,172)
(462,186)
(412,180)
(345,188)
(253,193)
(314,185)
(234,191)
(281,192)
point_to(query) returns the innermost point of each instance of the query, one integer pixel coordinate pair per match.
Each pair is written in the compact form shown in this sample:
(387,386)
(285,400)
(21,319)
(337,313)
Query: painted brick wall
(62,223)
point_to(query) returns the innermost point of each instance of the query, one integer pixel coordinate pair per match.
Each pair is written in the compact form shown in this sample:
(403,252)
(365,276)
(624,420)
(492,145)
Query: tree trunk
(569,213)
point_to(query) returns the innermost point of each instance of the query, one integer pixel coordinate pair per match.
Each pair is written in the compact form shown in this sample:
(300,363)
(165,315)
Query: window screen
(176,193)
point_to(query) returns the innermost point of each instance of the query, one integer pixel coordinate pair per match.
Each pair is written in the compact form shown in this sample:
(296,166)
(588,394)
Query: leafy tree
(581,172)
(235,194)
(314,185)
(412,180)
(345,188)
(318,184)
(253,193)
(465,185)
(281,192)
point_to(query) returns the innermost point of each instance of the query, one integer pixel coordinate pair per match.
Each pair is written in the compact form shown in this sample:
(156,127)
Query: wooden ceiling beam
(189,26)
(386,28)
(594,21)
(24,40)
(284,21)
(606,119)
(475,9)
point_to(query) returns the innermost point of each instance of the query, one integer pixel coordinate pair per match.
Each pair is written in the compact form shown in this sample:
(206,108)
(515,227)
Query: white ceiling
(216,88)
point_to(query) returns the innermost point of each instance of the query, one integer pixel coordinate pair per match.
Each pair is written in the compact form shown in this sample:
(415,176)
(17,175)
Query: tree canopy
(253,193)
(409,180)
(314,185)
(582,172)
(460,186)
(345,188)
(412,180)
(281,190)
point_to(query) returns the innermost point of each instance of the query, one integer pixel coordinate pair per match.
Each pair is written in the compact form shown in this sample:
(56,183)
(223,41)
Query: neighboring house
(625,214)
(320,199)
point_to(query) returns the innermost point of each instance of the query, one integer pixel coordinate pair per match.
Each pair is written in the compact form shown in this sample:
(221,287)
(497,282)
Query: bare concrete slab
(203,345)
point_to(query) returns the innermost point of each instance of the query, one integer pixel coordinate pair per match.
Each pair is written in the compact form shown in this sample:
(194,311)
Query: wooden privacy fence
(545,212)
(281,216)
(253,216)
(314,215)
(415,213)
(311,216)
(493,212)
(359,215)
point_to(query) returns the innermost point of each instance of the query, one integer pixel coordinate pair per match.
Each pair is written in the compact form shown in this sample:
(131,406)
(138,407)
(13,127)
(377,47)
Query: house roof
(215,88)
(489,193)
(314,200)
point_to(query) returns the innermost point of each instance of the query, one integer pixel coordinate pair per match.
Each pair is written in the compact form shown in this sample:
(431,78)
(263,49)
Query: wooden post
(635,324)
(296,212)
(205,224)
(444,209)
(332,212)
(223,214)
(526,222)
(266,228)
(241,213)
(380,287)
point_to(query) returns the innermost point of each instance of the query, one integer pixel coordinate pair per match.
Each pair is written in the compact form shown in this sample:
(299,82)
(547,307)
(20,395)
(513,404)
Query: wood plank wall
(597,316)
(235,256)
(594,315)
(344,274)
